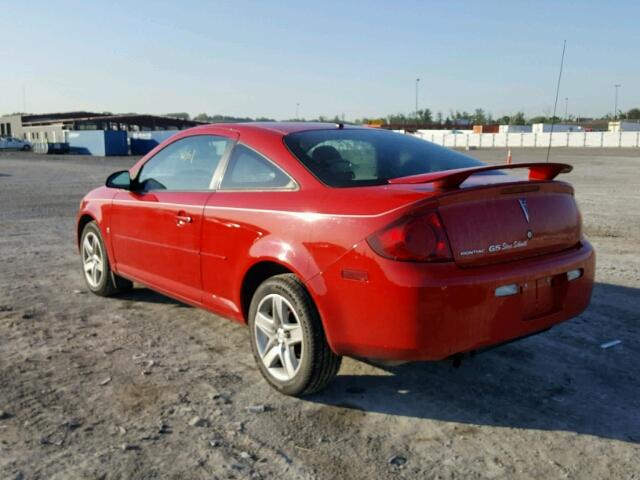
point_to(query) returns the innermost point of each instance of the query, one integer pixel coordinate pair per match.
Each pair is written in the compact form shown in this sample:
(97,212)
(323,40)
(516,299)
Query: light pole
(297,111)
(615,104)
(566,108)
(417,81)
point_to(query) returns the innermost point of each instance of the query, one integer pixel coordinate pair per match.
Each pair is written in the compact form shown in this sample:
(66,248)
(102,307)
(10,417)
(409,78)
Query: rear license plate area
(544,296)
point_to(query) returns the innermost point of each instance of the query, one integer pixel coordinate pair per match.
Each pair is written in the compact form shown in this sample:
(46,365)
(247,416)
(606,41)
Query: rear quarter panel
(305,230)
(292,228)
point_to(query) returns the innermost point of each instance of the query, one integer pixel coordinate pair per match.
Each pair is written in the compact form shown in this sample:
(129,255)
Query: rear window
(354,157)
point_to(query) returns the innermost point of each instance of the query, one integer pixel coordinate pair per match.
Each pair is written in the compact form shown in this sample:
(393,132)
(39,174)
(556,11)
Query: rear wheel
(287,338)
(95,264)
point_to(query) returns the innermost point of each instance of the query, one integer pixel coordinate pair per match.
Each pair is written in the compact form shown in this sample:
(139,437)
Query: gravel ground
(141,386)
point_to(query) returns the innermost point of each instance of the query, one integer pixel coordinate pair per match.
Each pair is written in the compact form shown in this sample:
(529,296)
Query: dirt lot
(110,388)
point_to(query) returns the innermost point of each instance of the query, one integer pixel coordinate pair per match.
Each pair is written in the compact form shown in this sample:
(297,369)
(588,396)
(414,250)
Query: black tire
(318,364)
(26,148)
(109,283)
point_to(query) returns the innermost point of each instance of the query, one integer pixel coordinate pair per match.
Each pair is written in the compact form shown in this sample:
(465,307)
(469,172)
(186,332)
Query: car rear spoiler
(452,179)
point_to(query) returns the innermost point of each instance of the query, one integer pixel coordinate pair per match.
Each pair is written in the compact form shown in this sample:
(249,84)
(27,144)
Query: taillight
(419,238)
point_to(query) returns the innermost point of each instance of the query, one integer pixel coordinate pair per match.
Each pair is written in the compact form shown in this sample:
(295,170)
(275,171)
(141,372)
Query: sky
(357,58)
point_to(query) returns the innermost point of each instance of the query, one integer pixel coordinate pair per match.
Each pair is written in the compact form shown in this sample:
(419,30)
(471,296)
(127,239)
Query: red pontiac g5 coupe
(330,240)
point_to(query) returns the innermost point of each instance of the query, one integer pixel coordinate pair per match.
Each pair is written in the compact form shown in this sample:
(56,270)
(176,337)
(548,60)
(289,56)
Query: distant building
(55,127)
(10,126)
(624,126)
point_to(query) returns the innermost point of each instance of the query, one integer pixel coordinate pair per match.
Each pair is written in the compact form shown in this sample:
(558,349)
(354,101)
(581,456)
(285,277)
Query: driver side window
(187,164)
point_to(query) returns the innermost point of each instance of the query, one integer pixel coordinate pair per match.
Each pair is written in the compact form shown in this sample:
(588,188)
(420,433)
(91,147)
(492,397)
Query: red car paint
(370,306)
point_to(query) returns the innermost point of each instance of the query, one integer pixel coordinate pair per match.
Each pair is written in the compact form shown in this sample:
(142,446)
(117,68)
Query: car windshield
(352,157)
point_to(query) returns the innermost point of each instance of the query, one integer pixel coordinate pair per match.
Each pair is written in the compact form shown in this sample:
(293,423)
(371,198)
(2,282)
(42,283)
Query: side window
(249,170)
(187,164)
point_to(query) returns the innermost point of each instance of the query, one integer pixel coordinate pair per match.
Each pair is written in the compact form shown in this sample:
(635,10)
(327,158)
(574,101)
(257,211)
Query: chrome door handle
(183,219)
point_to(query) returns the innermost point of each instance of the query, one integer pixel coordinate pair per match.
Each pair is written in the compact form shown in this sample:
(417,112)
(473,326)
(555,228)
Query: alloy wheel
(279,338)
(92,259)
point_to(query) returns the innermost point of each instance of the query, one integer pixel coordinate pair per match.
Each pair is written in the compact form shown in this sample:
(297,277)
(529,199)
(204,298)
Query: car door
(236,218)
(156,228)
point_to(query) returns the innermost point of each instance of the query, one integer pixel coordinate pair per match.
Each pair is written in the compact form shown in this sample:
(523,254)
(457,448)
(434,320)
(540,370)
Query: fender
(96,205)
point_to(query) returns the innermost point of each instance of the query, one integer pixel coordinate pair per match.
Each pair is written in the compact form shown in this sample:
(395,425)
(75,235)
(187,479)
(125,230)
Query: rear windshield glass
(354,157)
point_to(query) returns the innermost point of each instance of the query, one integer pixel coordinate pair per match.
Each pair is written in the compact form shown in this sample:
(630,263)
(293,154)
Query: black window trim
(227,160)
(217,174)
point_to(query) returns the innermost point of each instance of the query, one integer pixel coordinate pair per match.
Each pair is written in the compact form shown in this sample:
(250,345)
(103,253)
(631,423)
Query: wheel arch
(82,222)
(254,276)
(265,268)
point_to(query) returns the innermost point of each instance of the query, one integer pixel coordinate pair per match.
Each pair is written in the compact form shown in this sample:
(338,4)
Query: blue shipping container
(98,142)
(143,142)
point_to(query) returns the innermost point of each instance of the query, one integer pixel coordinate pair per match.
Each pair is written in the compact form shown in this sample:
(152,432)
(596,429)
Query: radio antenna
(555,105)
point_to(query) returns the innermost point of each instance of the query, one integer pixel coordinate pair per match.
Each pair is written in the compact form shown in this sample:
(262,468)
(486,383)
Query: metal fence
(514,140)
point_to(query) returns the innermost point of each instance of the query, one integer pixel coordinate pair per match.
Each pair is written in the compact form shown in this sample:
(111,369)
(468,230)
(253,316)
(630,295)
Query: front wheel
(287,338)
(95,264)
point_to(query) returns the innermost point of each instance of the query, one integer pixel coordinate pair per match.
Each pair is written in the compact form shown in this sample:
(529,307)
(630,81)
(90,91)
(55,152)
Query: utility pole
(417,82)
(297,111)
(566,108)
(615,103)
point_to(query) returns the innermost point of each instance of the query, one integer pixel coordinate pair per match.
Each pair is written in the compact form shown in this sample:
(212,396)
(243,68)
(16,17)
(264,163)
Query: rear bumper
(408,311)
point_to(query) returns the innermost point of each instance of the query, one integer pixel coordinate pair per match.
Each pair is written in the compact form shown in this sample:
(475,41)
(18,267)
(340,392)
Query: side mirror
(121,180)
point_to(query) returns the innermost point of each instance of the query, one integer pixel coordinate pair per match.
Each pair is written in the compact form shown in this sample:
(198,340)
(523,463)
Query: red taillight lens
(413,239)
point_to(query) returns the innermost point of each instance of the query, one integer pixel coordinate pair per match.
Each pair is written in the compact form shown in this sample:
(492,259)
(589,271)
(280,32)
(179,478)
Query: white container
(514,129)
(558,127)
(623,126)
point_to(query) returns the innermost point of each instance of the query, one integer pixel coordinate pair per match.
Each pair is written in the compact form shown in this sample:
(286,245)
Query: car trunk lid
(497,223)
(496,218)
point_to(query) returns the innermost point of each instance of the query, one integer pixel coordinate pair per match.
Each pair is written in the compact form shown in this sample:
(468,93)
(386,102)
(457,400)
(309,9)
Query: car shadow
(559,380)
(5,174)
(143,294)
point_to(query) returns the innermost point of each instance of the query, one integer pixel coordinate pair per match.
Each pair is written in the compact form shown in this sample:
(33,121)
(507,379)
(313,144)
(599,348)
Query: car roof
(283,128)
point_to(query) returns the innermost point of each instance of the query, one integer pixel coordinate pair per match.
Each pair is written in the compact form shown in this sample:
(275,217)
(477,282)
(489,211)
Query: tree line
(480,117)
(422,117)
